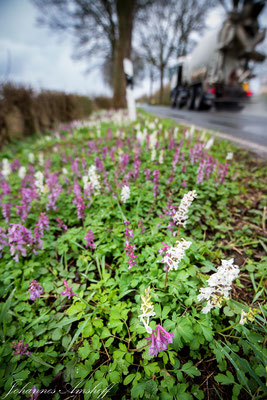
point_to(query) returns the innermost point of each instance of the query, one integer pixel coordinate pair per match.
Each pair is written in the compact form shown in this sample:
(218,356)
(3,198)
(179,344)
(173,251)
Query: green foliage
(95,339)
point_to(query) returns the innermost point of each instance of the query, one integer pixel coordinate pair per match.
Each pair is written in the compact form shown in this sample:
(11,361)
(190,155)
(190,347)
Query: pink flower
(21,349)
(35,290)
(89,238)
(68,290)
(160,341)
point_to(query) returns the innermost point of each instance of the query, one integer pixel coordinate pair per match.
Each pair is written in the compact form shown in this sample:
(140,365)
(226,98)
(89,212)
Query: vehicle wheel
(199,103)
(179,102)
(173,101)
(190,99)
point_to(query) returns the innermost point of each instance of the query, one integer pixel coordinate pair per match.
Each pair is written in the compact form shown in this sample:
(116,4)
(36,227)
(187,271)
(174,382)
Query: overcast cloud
(37,57)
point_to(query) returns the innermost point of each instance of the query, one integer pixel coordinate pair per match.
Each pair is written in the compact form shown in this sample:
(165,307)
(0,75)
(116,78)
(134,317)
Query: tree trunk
(125,14)
(161,85)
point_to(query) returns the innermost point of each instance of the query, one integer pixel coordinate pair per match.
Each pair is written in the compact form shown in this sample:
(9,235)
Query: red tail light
(211,91)
(249,93)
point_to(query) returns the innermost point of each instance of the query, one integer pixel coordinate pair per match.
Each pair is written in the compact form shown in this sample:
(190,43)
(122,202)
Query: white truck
(218,70)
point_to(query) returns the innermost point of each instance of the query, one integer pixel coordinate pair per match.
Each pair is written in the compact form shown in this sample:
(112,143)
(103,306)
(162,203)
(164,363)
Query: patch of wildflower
(6,168)
(125,193)
(35,290)
(220,284)
(248,316)
(89,239)
(68,290)
(129,248)
(180,217)
(61,224)
(147,310)
(175,254)
(94,179)
(34,393)
(159,339)
(20,349)
(19,239)
(41,226)
(39,182)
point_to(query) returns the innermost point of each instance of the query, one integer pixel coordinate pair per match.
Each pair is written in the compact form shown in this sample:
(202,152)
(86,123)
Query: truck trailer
(218,71)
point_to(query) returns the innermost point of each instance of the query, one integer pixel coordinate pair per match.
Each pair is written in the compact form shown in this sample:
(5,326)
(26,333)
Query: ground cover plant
(132,263)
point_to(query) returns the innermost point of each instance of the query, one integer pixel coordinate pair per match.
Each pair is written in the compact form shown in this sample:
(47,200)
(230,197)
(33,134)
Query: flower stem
(228,327)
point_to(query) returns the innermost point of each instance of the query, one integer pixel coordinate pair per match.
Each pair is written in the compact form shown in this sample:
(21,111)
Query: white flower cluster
(22,172)
(175,254)
(94,178)
(6,169)
(125,193)
(161,156)
(31,158)
(41,159)
(147,310)
(209,143)
(141,136)
(39,181)
(180,217)
(220,284)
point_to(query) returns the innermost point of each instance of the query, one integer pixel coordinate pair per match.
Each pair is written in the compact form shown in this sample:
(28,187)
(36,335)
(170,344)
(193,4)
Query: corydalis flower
(94,178)
(19,239)
(180,217)
(61,224)
(125,193)
(22,172)
(68,290)
(34,393)
(250,315)
(21,349)
(147,310)
(39,182)
(89,238)
(175,254)
(220,284)
(129,248)
(160,339)
(35,290)
(6,168)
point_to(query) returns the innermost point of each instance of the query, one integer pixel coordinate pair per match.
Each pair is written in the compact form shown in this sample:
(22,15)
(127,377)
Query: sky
(35,56)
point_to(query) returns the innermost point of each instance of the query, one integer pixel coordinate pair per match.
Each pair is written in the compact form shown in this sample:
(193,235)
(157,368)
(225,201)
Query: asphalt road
(247,128)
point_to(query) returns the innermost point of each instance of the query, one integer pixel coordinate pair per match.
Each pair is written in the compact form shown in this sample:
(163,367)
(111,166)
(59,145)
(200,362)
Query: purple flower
(6,210)
(156,182)
(41,226)
(160,341)
(3,239)
(68,290)
(129,248)
(19,238)
(20,349)
(53,196)
(89,238)
(15,164)
(61,225)
(34,393)
(35,290)
(79,202)
(5,188)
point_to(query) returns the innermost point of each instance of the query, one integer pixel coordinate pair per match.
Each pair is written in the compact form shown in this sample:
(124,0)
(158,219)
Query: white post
(128,70)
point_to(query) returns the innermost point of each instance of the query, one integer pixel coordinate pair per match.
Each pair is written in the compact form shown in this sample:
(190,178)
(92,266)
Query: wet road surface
(246,129)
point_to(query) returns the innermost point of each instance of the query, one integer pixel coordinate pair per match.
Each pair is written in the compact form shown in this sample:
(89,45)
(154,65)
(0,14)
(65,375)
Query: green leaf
(190,369)
(225,379)
(128,379)
(114,377)
(138,390)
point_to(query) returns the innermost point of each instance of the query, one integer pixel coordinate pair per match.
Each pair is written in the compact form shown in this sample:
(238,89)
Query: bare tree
(168,29)
(102,28)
